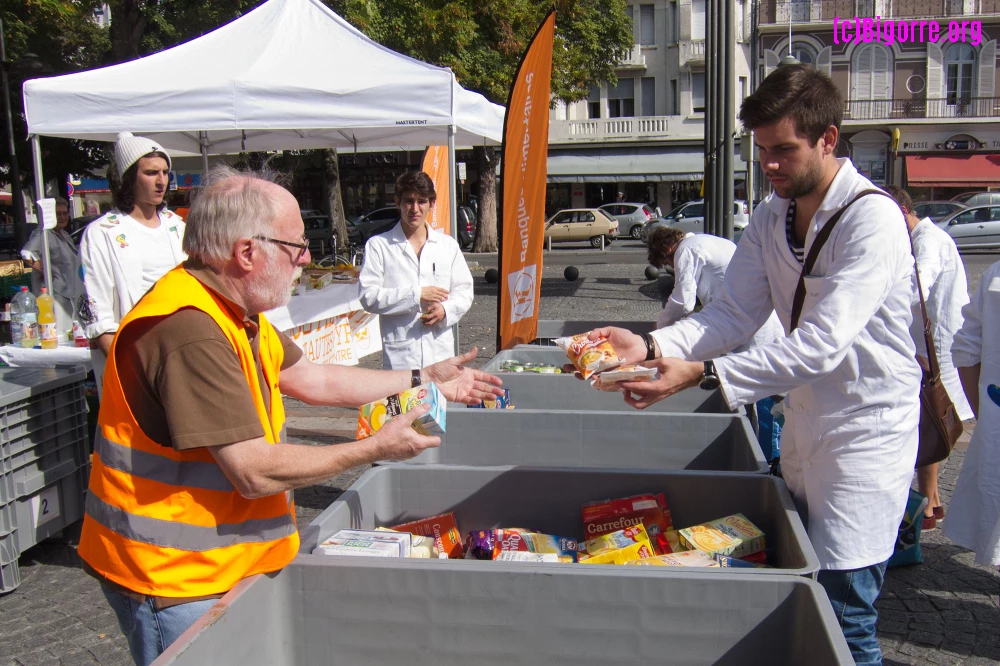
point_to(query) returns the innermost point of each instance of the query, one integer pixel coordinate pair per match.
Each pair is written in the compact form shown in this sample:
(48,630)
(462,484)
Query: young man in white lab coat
(946,292)
(126,251)
(849,441)
(416,280)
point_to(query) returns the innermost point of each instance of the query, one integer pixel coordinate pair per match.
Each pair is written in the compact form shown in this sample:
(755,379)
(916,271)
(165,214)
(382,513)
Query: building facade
(644,136)
(919,78)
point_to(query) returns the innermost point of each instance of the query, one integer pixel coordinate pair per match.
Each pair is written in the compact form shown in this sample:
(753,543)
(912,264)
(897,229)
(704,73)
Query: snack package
(366,542)
(422,546)
(726,561)
(637,551)
(600,518)
(489,544)
(443,529)
(519,366)
(733,535)
(589,356)
(668,542)
(497,402)
(687,558)
(611,380)
(615,541)
(374,415)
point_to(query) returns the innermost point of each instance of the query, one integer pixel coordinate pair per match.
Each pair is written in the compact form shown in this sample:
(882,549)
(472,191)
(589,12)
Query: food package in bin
(539,368)
(422,547)
(733,535)
(489,544)
(443,529)
(636,551)
(687,558)
(374,415)
(611,380)
(371,543)
(600,518)
(589,356)
(496,402)
(614,541)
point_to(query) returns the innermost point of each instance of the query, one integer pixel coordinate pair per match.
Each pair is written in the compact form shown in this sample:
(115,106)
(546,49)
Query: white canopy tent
(288,75)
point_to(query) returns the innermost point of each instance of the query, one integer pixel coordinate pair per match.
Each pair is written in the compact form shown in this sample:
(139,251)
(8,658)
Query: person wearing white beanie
(127,250)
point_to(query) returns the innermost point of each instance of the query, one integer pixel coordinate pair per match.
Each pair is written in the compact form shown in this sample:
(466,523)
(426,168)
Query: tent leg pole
(453,207)
(203,140)
(36,155)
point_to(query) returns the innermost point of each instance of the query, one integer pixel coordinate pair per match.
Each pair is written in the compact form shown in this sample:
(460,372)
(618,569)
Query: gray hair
(232,206)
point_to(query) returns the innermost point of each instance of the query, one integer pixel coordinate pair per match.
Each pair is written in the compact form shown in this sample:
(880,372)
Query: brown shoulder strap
(932,359)
(800,291)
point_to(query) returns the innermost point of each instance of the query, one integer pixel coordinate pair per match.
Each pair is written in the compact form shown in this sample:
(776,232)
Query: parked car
(7,238)
(974,228)
(936,210)
(977,198)
(582,224)
(319,232)
(631,217)
(466,226)
(378,221)
(690,217)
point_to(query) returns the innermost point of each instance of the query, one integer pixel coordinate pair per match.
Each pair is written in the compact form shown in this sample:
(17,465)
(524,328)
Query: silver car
(690,217)
(631,217)
(974,228)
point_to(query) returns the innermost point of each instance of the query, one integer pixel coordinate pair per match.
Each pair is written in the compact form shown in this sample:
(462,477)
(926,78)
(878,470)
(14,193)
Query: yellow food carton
(685,558)
(616,541)
(636,551)
(374,415)
(733,535)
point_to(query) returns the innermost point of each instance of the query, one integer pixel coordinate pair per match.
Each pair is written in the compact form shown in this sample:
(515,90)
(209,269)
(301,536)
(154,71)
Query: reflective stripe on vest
(168,522)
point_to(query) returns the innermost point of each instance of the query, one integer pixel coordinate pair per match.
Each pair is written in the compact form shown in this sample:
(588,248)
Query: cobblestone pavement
(942,612)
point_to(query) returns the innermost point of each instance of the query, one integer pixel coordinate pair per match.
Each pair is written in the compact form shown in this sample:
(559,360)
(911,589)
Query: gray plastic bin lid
(331,610)
(22,383)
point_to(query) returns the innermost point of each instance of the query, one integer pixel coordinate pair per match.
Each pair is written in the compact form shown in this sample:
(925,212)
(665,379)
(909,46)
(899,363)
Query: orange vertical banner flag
(522,179)
(436,166)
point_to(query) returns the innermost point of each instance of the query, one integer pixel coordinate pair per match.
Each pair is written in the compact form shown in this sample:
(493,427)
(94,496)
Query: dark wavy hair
(660,241)
(417,182)
(800,92)
(123,189)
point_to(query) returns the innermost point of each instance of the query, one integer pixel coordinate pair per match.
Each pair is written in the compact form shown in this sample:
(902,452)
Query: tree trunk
(334,196)
(487,160)
(127,27)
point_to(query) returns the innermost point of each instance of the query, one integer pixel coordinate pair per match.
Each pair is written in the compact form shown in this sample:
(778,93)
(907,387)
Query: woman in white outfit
(974,514)
(126,251)
(64,257)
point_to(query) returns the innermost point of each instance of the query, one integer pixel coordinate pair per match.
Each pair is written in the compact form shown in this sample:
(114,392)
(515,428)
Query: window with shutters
(621,99)
(647,32)
(698,92)
(801,51)
(871,73)
(697,19)
(675,99)
(959,65)
(594,102)
(649,96)
(673,30)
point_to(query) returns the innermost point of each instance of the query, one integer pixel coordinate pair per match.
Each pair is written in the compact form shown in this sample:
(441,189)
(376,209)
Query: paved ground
(942,612)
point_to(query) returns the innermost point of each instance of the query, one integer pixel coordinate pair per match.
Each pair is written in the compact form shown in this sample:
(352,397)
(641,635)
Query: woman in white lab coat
(974,513)
(416,280)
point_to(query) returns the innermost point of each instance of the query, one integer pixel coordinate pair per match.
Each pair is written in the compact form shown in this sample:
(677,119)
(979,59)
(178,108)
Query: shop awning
(631,164)
(953,170)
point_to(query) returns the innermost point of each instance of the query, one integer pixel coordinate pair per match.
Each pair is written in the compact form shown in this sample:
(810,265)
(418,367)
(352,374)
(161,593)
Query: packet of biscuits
(588,356)
(611,380)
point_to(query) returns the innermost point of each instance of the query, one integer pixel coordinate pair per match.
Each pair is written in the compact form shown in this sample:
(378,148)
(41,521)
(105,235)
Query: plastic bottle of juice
(47,321)
(24,319)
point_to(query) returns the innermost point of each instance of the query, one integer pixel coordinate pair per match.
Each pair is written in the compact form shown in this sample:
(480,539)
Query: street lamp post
(17,198)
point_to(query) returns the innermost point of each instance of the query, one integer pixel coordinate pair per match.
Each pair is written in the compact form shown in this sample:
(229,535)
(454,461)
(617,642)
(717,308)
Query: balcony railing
(885,109)
(691,50)
(634,60)
(805,11)
(623,129)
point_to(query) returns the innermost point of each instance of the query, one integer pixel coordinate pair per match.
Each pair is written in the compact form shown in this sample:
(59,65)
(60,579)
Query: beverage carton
(374,415)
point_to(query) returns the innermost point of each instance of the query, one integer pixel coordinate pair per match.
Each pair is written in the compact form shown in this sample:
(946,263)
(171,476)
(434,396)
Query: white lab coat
(391,280)
(946,291)
(112,273)
(700,264)
(974,512)
(850,436)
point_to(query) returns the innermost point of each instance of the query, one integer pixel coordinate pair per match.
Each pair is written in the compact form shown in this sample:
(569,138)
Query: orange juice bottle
(47,321)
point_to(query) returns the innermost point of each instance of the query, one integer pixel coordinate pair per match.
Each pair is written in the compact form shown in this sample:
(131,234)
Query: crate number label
(45,506)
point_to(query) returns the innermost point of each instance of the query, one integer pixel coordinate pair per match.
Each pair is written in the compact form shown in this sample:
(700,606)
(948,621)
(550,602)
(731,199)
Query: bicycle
(353,255)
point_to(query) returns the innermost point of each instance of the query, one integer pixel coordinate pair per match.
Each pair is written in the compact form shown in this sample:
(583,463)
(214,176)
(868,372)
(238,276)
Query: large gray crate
(549,500)
(327,610)
(550,329)
(565,392)
(641,440)
(540,354)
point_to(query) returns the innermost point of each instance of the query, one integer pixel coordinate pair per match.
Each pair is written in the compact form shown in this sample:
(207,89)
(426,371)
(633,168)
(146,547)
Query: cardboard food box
(615,541)
(637,551)
(687,558)
(366,542)
(733,535)
(444,531)
(600,518)
(374,415)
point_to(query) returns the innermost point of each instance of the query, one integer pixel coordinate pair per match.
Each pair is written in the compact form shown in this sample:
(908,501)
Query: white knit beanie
(129,148)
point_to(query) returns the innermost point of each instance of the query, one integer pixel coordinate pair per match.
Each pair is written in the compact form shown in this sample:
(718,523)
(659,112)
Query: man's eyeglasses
(302,247)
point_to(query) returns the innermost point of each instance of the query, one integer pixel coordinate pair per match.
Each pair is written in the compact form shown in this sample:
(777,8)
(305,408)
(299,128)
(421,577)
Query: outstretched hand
(675,375)
(627,344)
(461,384)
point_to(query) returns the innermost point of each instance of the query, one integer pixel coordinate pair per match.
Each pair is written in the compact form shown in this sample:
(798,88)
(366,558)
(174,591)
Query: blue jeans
(853,593)
(149,631)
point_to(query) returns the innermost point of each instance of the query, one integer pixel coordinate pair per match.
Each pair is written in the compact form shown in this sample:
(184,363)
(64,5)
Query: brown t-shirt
(185,386)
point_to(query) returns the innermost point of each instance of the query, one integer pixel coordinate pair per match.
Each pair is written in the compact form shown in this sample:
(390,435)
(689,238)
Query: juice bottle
(24,319)
(47,321)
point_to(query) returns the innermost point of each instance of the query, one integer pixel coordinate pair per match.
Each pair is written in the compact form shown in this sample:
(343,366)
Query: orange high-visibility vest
(169,523)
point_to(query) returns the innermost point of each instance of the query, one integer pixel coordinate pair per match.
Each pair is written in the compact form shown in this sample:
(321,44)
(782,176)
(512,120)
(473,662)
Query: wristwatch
(414,378)
(710,380)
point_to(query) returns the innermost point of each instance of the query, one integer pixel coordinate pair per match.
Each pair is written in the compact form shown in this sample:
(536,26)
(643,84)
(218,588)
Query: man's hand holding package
(675,375)
(629,346)
(434,314)
(461,384)
(397,440)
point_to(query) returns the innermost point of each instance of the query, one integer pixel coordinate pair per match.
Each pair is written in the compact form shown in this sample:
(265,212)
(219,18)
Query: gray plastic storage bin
(565,392)
(549,500)
(550,329)
(646,440)
(539,354)
(328,610)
